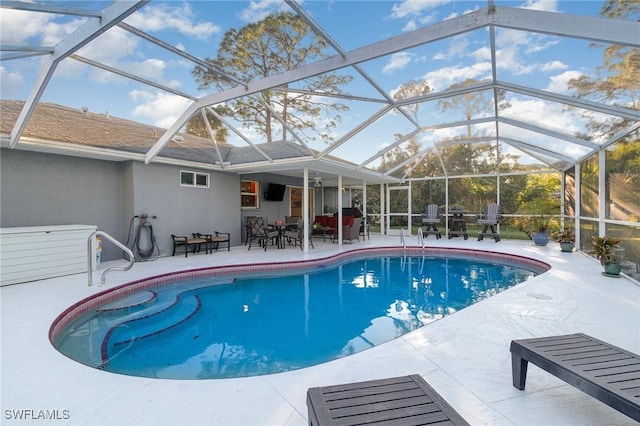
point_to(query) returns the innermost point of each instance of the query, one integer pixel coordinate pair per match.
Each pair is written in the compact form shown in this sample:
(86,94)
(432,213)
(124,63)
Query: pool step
(185,306)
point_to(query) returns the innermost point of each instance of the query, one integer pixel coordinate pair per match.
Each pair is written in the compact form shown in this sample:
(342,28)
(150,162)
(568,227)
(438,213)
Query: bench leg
(519,371)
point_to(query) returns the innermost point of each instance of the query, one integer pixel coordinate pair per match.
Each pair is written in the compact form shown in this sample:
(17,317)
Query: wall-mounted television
(275,192)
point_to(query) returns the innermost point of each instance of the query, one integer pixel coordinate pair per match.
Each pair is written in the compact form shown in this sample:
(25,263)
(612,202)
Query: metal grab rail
(90,257)
(404,244)
(420,237)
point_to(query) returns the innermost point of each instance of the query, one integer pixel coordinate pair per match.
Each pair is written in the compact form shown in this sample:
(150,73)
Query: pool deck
(465,356)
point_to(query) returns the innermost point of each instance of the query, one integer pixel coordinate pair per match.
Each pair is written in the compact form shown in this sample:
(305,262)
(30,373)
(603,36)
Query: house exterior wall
(45,189)
(272,210)
(183,210)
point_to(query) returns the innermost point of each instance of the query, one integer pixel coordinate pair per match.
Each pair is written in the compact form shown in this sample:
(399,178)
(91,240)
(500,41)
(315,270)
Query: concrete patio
(465,356)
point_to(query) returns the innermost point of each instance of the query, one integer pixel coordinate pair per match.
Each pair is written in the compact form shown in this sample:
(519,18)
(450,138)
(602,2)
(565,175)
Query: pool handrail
(90,244)
(420,237)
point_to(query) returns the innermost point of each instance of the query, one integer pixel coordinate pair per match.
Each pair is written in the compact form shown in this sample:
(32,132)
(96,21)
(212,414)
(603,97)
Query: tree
(197,127)
(272,46)
(472,103)
(616,81)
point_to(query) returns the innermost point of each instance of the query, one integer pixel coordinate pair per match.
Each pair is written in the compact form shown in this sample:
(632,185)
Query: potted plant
(567,239)
(606,250)
(539,234)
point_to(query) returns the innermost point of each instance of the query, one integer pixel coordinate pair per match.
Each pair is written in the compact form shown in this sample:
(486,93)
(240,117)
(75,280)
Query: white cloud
(559,83)
(445,77)
(398,61)
(110,47)
(259,9)
(151,69)
(176,18)
(549,115)
(11,83)
(17,26)
(457,48)
(545,5)
(553,66)
(410,26)
(414,7)
(162,108)
(509,59)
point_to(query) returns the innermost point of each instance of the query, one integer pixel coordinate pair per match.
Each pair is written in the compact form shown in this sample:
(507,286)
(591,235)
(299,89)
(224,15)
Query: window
(199,180)
(250,194)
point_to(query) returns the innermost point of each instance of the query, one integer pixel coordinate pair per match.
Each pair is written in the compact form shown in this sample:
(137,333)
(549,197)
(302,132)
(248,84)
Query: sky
(540,61)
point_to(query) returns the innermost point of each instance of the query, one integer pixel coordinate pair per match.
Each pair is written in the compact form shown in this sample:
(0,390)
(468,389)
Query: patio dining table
(457,224)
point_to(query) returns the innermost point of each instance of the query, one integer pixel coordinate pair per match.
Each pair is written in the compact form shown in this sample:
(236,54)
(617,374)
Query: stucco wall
(183,210)
(43,189)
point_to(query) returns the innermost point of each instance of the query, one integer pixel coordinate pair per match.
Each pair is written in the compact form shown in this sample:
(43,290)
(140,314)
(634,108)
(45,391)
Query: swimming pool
(260,319)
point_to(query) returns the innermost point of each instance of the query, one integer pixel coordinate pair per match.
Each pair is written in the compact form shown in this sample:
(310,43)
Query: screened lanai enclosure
(534,105)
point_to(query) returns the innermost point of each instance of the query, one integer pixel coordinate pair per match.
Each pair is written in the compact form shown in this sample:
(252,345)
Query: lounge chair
(431,218)
(490,219)
(259,231)
(394,401)
(599,369)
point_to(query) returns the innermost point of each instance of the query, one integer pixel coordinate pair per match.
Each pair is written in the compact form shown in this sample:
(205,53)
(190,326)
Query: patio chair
(351,229)
(295,235)
(190,244)
(490,219)
(258,230)
(214,240)
(431,218)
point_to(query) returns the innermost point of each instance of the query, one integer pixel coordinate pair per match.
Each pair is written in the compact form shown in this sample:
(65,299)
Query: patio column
(339,210)
(305,210)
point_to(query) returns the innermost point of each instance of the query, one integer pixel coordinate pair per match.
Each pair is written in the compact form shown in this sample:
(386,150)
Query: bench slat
(406,400)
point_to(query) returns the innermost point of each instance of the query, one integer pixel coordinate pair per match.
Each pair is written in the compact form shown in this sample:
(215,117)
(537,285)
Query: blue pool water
(232,327)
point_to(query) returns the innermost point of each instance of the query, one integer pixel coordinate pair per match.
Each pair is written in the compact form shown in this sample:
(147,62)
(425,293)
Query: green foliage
(565,235)
(274,45)
(197,126)
(606,249)
(538,202)
(617,80)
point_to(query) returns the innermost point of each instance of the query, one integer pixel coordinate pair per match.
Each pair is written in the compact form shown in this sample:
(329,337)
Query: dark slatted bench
(406,400)
(599,369)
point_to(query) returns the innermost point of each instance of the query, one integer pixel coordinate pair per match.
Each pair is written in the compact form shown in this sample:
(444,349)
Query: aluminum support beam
(355,130)
(48,8)
(614,31)
(570,100)
(438,31)
(547,132)
(533,148)
(175,50)
(131,76)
